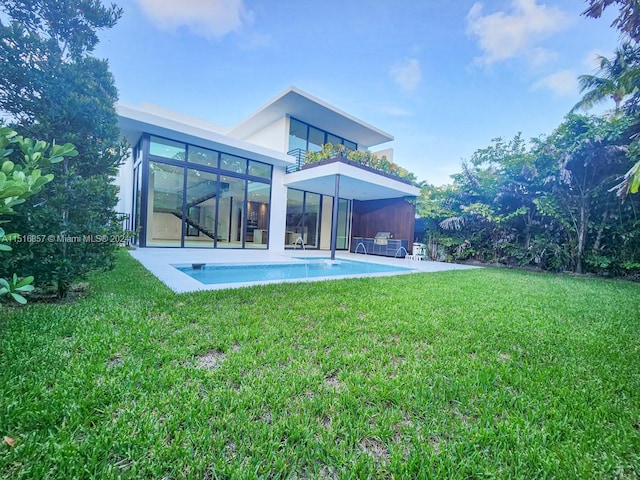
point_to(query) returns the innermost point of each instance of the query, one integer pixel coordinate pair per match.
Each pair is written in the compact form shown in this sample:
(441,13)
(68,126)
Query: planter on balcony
(346,161)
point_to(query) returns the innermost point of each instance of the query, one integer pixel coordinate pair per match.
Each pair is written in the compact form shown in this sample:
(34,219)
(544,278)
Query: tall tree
(628,19)
(588,153)
(51,87)
(628,22)
(544,205)
(616,78)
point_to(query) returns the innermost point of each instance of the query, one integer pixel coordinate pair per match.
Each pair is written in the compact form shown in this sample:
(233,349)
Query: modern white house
(190,183)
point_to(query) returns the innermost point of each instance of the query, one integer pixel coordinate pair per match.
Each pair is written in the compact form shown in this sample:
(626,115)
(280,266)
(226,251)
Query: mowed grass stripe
(459,374)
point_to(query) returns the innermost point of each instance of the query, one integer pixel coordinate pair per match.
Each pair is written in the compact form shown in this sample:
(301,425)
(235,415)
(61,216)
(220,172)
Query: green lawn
(463,374)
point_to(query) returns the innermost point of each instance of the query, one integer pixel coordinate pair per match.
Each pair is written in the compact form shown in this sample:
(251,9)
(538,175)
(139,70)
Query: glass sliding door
(294,225)
(344,223)
(200,208)
(231,221)
(311,219)
(164,205)
(258,201)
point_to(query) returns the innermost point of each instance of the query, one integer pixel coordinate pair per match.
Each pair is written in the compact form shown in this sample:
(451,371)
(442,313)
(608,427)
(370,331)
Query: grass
(463,374)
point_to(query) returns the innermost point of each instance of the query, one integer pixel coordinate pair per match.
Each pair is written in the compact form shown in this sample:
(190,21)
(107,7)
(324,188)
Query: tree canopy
(544,203)
(52,87)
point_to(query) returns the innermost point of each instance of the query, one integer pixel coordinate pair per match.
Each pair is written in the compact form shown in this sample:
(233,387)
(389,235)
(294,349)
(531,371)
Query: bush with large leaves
(21,160)
(51,87)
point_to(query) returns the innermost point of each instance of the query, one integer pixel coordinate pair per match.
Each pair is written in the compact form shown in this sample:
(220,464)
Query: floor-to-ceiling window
(258,202)
(295,228)
(197,197)
(164,205)
(305,137)
(231,212)
(344,224)
(200,208)
(309,217)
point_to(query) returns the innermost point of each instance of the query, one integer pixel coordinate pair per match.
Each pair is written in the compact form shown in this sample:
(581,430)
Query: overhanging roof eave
(355,184)
(134,122)
(307,108)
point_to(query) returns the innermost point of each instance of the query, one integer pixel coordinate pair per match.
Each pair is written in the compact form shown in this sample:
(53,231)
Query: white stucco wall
(278,218)
(274,136)
(388,152)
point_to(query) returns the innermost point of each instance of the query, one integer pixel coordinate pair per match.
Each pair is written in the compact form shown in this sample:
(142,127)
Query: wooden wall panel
(394,215)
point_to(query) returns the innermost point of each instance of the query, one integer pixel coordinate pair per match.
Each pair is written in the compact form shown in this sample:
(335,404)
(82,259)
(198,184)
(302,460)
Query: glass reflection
(200,208)
(164,205)
(231,214)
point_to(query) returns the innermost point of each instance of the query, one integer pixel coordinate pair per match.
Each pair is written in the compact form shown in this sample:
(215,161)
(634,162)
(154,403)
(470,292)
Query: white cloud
(563,83)
(538,57)
(207,18)
(407,74)
(503,35)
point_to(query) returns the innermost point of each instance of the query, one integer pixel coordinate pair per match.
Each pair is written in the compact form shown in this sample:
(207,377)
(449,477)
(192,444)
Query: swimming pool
(215,274)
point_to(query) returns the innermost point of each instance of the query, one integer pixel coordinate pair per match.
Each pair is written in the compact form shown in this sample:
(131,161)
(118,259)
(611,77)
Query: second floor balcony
(363,159)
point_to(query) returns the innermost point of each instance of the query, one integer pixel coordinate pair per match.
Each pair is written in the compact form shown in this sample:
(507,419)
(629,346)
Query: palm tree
(619,77)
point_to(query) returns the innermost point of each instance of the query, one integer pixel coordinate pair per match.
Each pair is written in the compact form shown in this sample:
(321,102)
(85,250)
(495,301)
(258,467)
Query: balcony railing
(300,155)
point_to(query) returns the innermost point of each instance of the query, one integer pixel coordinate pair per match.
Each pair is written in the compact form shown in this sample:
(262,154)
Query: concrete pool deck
(159,260)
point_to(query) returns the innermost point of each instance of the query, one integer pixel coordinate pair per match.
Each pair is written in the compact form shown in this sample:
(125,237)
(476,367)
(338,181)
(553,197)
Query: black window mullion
(245,212)
(144,197)
(184,206)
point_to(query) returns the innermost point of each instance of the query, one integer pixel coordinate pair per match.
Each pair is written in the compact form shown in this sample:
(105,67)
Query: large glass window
(309,216)
(161,147)
(200,208)
(295,220)
(297,135)
(233,163)
(258,201)
(259,169)
(311,219)
(203,156)
(344,216)
(334,140)
(164,205)
(207,200)
(231,212)
(316,139)
(307,137)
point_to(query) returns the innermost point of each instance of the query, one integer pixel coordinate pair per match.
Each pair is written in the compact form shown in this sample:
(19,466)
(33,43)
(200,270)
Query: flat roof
(355,183)
(307,108)
(136,121)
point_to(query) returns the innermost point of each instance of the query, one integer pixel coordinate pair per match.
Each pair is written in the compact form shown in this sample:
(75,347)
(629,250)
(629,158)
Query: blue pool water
(308,268)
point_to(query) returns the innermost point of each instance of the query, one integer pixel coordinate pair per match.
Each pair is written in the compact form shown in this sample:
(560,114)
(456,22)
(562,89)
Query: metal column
(334,222)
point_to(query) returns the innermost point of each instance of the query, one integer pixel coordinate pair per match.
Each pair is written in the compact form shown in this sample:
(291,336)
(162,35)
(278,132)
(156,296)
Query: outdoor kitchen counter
(388,250)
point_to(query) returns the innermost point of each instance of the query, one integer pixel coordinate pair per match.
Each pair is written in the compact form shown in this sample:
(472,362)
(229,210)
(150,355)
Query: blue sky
(443,76)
